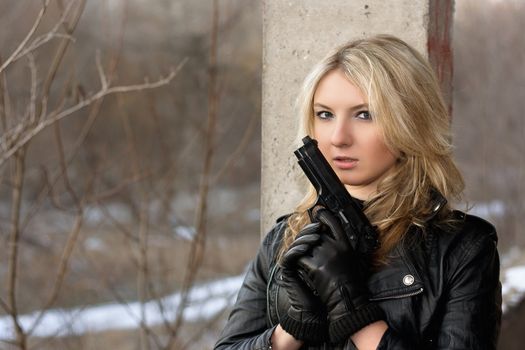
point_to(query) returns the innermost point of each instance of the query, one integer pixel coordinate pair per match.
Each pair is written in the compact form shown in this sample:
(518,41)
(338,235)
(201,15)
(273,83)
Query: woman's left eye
(365,115)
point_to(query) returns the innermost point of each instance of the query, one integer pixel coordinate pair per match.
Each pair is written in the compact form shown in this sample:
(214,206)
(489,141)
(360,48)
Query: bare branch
(238,150)
(61,50)
(16,203)
(62,269)
(15,54)
(33,93)
(124,183)
(5,102)
(10,150)
(40,41)
(198,244)
(43,39)
(102,76)
(143,234)
(93,114)
(3,92)
(63,168)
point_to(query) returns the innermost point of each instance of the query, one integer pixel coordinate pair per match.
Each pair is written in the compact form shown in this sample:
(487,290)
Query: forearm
(259,341)
(369,337)
(281,340)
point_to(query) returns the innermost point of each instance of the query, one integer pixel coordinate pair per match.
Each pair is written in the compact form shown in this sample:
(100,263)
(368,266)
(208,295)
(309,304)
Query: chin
(351,182)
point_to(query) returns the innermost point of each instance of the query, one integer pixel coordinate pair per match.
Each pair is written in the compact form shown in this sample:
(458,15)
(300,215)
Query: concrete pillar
(296,34)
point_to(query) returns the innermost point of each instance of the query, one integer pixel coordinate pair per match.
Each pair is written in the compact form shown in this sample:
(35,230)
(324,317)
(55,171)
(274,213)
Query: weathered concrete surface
(296,34)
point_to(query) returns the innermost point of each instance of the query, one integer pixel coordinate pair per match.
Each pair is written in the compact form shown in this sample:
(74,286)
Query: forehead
(336,89)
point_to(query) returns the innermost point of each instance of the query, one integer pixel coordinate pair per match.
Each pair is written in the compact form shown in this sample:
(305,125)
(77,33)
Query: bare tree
(75,147)
(488,121)
(20,129)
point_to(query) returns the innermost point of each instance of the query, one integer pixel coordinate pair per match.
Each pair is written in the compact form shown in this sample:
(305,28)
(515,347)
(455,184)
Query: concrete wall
(296,34)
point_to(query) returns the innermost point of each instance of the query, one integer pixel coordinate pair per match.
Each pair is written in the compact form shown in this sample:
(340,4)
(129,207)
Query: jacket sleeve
(472,305)
(247,326)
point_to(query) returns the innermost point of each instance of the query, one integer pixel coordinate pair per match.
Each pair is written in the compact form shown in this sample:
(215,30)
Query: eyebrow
(357,107)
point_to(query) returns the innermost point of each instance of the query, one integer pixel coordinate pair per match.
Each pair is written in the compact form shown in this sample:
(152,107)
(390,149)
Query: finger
(301,245)
(297,251)
(291,256)
(304,278)
(328,219)
(313,227)
(309,239)
(306,264)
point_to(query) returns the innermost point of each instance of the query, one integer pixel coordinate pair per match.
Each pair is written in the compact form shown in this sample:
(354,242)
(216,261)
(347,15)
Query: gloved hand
(339,274)
(306,317)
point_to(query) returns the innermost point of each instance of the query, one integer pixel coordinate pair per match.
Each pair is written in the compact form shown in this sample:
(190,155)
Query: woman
(374,106)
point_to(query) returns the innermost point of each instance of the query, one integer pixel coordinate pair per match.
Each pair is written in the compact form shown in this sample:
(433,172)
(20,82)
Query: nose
(341,133)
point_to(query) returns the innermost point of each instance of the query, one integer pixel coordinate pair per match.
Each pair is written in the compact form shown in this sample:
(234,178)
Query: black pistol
(332,195)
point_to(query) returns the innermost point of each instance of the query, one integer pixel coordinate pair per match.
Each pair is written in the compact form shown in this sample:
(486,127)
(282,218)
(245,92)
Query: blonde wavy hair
(405,99)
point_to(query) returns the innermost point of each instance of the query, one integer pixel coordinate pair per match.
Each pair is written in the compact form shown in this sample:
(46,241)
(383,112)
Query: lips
(344,163)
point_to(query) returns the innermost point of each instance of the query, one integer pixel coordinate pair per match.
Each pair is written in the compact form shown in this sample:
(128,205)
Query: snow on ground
(513,286)
(205,301)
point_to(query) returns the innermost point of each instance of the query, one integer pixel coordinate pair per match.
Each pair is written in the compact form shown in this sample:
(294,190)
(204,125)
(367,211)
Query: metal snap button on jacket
(408,280)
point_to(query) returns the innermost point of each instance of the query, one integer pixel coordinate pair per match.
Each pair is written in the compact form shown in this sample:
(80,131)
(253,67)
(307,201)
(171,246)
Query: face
(348,136)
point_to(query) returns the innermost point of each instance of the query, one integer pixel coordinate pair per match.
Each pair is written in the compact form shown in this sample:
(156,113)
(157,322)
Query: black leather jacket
(441,291)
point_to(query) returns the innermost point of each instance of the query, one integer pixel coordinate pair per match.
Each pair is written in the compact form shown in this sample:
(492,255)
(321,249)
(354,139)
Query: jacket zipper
(406,295)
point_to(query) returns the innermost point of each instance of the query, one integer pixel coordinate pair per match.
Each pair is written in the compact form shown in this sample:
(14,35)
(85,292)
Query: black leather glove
(305,318)
(339,274)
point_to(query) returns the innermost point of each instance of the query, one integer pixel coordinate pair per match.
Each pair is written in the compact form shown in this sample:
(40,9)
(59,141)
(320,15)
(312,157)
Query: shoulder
(476,226)
(277,230)
(468,237)
(474,229)
(273,238)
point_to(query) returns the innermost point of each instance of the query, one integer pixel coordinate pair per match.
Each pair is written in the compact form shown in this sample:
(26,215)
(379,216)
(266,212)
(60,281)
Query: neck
(361,194)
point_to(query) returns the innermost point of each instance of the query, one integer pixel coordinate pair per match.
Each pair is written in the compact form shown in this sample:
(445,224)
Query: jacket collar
(437,202)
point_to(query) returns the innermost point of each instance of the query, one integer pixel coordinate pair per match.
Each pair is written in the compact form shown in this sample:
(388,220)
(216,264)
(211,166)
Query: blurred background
(130,163)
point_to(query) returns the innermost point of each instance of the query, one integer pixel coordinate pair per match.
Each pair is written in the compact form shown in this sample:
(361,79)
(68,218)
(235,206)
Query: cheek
(375,147)
(319,132)
(321,135)
(322,131)
(382,154)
